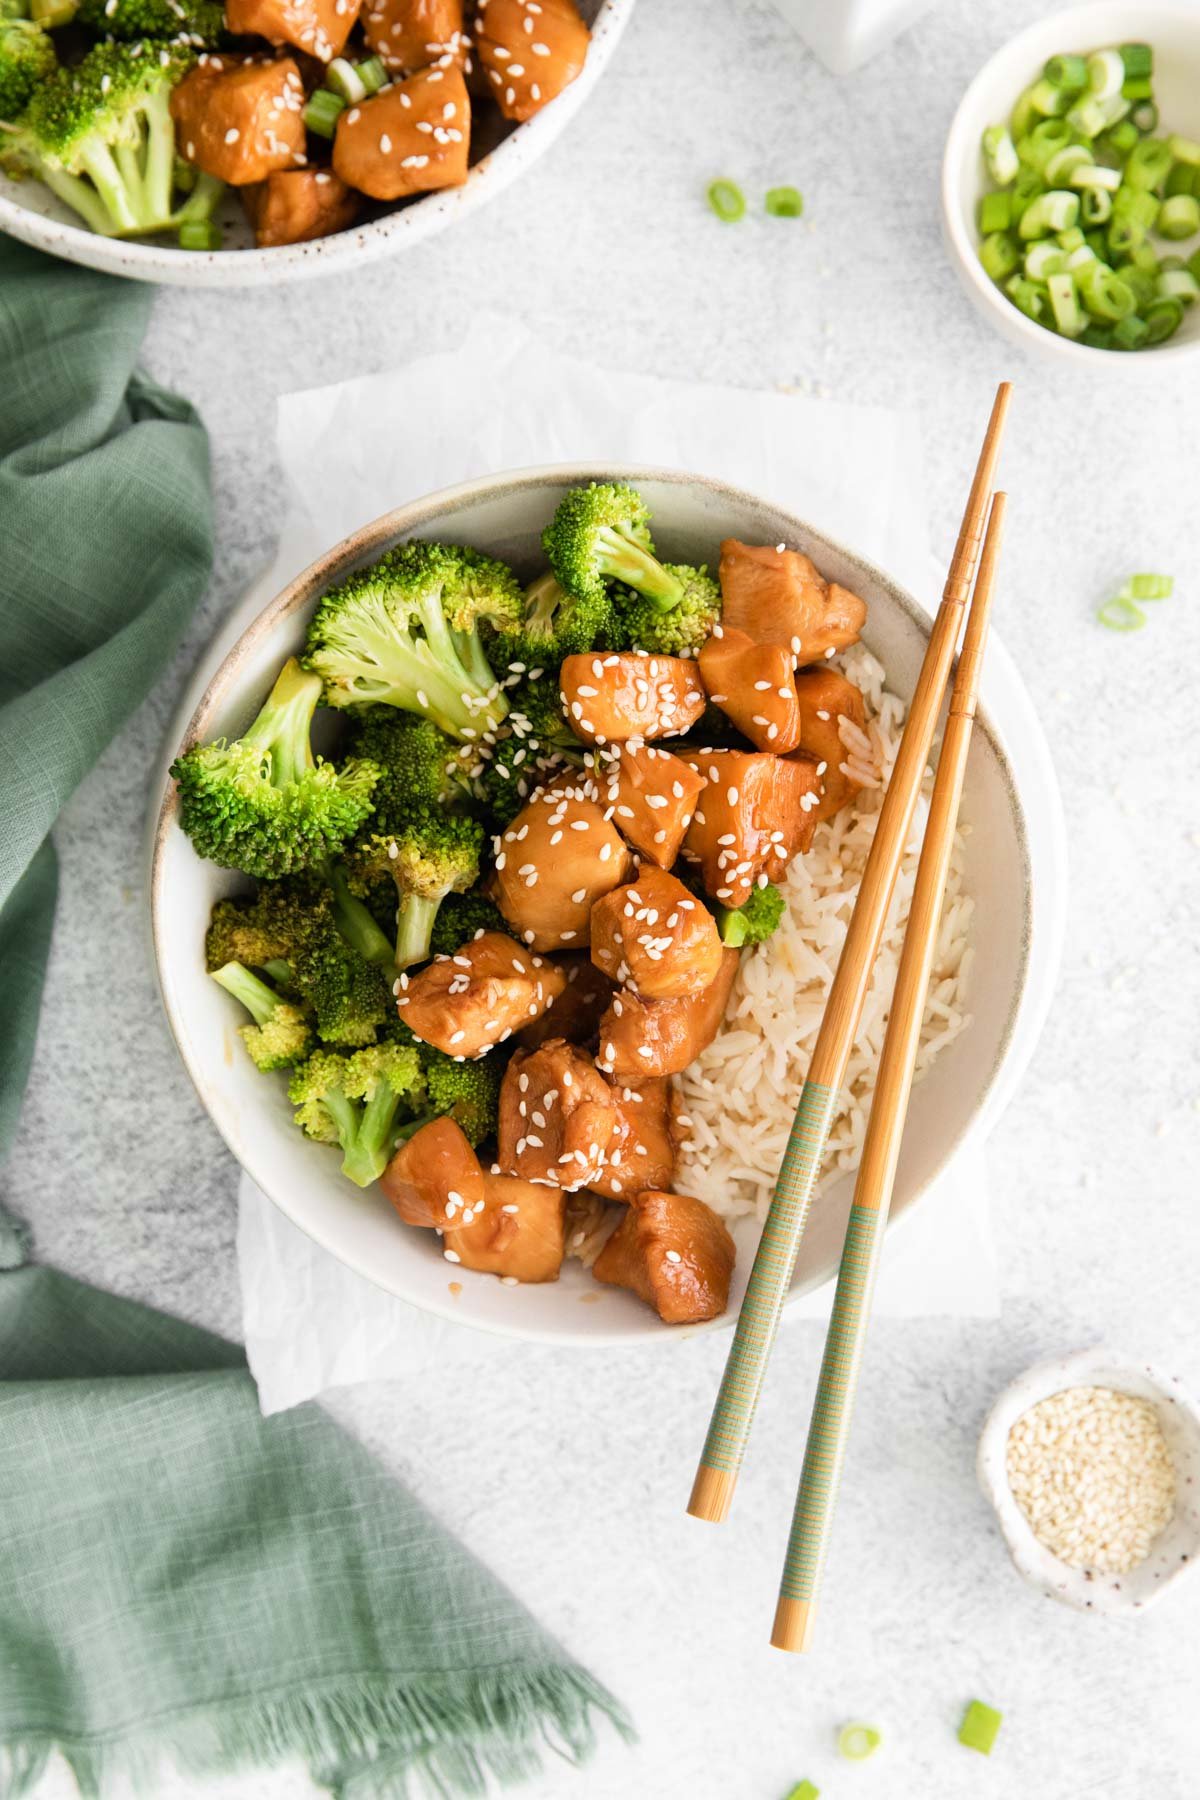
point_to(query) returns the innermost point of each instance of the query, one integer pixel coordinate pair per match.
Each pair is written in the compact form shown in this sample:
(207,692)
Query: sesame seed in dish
(1090,1469)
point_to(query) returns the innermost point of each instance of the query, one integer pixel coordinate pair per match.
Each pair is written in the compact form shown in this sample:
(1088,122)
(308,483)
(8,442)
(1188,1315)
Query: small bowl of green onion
(1071,186)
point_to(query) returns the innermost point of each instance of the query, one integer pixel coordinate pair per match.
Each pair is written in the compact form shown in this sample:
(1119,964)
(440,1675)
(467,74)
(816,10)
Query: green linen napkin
(180,1578)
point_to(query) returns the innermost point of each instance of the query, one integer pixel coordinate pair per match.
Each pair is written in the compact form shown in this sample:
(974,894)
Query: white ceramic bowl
(32,213)
(1174,33)
(1015,874)
(1176,1552)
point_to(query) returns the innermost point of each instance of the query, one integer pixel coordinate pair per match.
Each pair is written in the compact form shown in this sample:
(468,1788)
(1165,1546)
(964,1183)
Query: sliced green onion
(1000,155)
(1105,295)
(1095,205)
(321,113)
(1143,286)
(1149,163)
(1184,150)
(1024,114)
(804,1790)
(1193,264)
(1062,164)
(1149,587)
(1070,240)
(1091,115)
(1181,180)
(1145,115)
(1030,297)
(1105,73)
(727,200)
(1097,337)
(1137,88)
(1087,175)
(1079,259)
(1121,138)
(1025,188)
(1180,284)
(1120,614)
(1145,257)
(1137,60)
(1043,260)
(1096,244)
(857,1741)
(999,255)
(1044,141)
(995,212)
(980,1727)
(1179,217)
(1064,304)
(200,234)
(1055,211)
(1131,333)
(341,77)
(1069,72)
(1048,100)
(372,74)
(784,202)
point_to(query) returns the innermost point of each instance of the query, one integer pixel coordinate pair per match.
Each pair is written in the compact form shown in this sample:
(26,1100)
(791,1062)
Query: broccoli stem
(476,674)
(80,197)
(102,166)
(204,196)
(623,560)
(282,729)
(355,923)
(159,167)
(414,929)
(245,986)
(279,970)
(369,1147)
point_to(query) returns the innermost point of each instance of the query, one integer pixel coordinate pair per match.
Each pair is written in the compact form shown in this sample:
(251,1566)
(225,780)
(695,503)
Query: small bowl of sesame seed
(1092,1462)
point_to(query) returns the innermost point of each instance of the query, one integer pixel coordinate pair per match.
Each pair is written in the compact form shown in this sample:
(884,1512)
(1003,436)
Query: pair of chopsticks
(771,1275)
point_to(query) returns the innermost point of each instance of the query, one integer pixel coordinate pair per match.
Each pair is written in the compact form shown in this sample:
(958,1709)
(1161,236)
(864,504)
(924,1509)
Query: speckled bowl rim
(1075,23)
(1102,1595)
(361,244)
(370,540)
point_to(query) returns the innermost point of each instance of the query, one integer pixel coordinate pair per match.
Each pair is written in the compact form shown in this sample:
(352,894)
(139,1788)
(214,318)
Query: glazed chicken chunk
(529,53)
(656,938)
(518,1234)
(435,1179)
(643,1038)
(672,1252)
(318,27)
(238,118)
(755,686)
(293,206)
(407,139)
(777,597)
(575,1015)
(558,1117)
(832,712)
(557,858)
(465,1004)
(610,699)
(411,34)
(646,1154)
(755,814)
(652,794)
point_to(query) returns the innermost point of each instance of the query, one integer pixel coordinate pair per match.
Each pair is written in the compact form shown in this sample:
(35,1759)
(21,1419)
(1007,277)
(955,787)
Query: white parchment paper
(503,401)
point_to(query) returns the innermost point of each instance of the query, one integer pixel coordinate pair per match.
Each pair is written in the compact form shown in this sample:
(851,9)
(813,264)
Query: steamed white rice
(740,1094)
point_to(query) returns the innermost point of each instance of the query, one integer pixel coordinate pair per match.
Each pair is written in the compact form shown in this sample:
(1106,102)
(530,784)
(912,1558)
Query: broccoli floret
(601,533)
(407,632)
(428,856)
(554,624)
(682,630)
(536,743)
(199,22)
(460,919)
(354,1101)
(280,1034)
(26,59)
(264,804)
(419,766)
(468,1091)
(754,921)
(101,136)
(537,719)
(319,940)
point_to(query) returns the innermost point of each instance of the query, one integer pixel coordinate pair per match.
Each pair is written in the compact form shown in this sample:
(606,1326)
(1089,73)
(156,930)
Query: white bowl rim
(354,247)
(1039,1566)
(966,250)
(368,540)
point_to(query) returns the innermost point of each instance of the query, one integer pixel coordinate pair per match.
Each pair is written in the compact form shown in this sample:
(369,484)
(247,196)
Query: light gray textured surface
(569,1475)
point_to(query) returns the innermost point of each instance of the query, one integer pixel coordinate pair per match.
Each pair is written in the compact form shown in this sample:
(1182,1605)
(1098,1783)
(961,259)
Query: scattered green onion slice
(372,74)
(1138,88)
(1179,284)
(1055,211)
(727,200)
(980,1727)
(1138,60)
(999,255)
(1163,319)
(1149,163)
(1130,333)
(1064,162)
(1179,217)
(1064,304)
(784,202)
(804,1790)
(1048,100)
(344,79)
(1106,73)
(1069,72)
(995,212)
(1044,259)
(1184,150)
(1145,115)
(200,234)
(1000,154)
(321,113)
(857,1741)
(1120,614)
(1148,587)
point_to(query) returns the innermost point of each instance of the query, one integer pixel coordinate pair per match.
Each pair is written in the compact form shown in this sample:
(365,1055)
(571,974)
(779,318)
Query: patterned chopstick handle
(769,1281)
(834,1406)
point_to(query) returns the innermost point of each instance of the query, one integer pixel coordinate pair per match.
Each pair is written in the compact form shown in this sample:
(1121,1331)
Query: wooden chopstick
(770,1278)
(833,1407)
